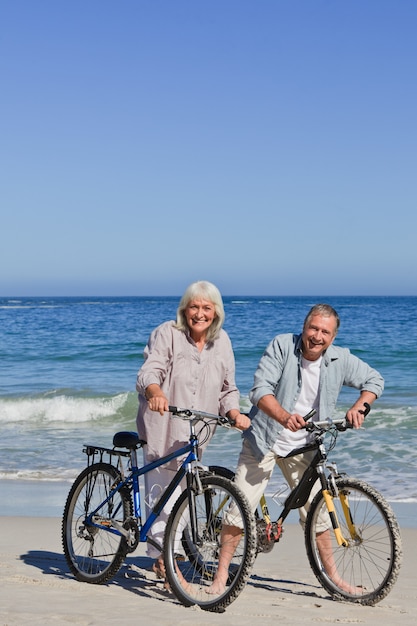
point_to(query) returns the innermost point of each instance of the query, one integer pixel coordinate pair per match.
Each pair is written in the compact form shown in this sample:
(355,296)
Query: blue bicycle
(102,521)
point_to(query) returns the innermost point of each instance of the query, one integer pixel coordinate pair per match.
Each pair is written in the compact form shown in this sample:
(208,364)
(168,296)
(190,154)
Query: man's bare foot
(347,588)
(216,588)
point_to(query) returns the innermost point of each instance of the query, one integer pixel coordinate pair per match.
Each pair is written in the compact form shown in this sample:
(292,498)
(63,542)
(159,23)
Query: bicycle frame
(132,482)
(299,495)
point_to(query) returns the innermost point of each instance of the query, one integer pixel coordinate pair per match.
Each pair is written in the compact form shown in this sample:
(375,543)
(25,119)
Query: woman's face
(200,314)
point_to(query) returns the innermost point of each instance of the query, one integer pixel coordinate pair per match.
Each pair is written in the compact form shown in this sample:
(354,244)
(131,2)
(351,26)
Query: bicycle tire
(264,543)
(189,581)
(95,555)
(367,568)
(187,543)
(219,470)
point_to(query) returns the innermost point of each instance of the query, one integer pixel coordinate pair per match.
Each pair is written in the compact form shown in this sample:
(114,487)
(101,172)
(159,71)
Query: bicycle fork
(329,494)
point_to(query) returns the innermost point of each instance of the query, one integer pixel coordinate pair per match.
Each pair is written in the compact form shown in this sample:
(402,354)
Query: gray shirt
(279,374)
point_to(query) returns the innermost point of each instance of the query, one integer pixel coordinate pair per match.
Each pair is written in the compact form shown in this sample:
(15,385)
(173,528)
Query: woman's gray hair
(325,310)
(204,290)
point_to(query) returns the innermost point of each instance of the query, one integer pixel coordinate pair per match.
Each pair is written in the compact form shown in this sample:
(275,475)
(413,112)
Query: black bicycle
(358,558)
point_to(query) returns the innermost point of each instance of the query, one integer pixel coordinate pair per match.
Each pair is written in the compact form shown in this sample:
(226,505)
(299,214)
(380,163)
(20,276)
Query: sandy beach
(37,588)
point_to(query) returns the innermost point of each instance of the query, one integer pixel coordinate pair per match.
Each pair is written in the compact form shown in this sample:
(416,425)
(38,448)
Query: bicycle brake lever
(177,411)
(226,421)
(349,424)
(367,409)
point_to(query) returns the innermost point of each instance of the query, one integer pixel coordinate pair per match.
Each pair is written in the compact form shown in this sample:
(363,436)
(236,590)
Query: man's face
(317,336)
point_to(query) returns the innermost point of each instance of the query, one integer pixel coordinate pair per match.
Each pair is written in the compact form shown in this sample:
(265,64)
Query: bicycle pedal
(274,532)
(279,532)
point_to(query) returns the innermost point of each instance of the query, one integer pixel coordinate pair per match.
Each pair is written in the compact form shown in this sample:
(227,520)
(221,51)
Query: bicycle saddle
(127,439)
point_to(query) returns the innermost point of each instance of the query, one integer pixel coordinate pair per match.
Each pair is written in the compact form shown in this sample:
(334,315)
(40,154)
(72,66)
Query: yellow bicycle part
(328,498)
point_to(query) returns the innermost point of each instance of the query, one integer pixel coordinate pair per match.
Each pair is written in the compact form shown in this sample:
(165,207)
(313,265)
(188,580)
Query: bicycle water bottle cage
(127,439)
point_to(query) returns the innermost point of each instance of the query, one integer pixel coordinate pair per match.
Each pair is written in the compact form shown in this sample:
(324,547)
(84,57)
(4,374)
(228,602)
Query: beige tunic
(189,379)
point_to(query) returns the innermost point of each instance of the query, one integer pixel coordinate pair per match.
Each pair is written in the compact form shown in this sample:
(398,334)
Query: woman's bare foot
(158,567)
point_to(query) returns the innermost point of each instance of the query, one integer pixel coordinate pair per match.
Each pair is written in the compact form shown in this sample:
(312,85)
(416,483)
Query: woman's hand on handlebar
(239,420)
(156,399)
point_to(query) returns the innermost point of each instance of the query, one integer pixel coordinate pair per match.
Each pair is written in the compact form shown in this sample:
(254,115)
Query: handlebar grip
(309,415)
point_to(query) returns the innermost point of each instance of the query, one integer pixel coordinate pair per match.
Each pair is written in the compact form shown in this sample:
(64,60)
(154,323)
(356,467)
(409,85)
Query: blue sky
(267,145)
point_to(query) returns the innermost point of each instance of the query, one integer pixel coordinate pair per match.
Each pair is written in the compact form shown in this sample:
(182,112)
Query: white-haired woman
(188,363)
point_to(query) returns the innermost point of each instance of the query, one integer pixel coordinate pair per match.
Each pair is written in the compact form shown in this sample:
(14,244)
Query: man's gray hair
(325,310)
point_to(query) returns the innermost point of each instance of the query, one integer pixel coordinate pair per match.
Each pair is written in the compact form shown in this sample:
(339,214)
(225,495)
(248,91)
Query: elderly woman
(188,363)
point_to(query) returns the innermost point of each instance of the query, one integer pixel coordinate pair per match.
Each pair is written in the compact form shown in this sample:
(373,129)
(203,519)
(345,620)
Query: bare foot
(216,588)
(347,588)
(158,568)
(184,584)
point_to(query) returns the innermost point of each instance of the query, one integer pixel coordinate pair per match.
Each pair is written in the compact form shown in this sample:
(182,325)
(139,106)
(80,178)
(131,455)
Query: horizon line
(224,295)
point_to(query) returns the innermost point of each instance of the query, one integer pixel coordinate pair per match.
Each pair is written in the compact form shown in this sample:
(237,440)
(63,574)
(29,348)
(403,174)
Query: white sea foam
(47,475)
(61,408)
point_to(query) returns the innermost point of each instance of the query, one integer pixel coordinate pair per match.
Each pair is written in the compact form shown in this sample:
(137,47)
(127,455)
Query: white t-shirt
(308,399)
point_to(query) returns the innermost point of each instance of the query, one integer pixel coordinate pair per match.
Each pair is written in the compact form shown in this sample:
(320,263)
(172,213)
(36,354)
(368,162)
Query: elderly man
(296,373)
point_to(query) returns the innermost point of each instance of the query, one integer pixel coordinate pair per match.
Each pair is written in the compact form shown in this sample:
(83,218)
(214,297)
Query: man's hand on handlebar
(293,422)
(357,414)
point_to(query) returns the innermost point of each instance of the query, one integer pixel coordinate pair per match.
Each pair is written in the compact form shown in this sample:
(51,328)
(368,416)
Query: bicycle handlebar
(192,414)
(341,423)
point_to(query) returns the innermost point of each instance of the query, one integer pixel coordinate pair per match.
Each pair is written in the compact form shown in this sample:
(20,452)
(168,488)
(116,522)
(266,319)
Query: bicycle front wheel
(365,569)
(94,554)
(192,543)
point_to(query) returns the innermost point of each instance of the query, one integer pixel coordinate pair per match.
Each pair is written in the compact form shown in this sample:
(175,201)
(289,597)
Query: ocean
(68,372)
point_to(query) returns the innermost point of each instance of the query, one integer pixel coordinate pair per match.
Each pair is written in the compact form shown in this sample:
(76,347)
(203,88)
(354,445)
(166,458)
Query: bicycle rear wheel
(365,570)
(198,520)
(94,555)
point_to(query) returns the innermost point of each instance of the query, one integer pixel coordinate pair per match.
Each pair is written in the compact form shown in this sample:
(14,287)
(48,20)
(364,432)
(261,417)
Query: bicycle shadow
(135,575)
(285,586)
